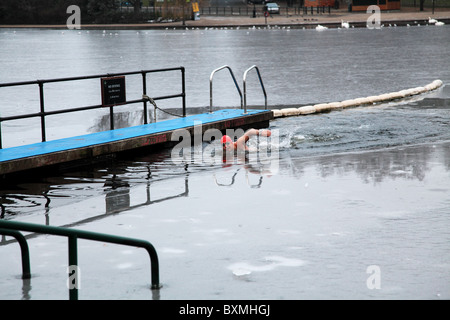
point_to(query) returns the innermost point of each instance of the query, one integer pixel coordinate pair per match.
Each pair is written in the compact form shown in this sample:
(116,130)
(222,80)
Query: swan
(320,28)
(439,23)
(432,20)
(345,25)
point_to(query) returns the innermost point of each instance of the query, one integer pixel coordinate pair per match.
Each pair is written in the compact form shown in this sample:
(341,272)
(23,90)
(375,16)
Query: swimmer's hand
(265,133)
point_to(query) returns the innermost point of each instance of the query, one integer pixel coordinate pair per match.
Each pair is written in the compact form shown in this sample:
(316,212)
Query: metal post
(42,109)
(1,146)
(111,118)
(154,266)
(144,92)
(73,261)
(25,252)
(183,88)
(26,270)
(73,235)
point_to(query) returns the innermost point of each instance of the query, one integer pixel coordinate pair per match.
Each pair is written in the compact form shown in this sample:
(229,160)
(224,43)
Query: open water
(356,204)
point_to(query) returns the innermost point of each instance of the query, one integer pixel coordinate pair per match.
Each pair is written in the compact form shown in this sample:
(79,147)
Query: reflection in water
(375,166)
(223,184)
(118,199)
(233,180)
(254,163)
(26,289)
(123,179)
(120,182)
(116,183)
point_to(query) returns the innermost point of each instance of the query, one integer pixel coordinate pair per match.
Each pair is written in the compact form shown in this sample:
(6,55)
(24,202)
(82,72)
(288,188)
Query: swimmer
(241,143)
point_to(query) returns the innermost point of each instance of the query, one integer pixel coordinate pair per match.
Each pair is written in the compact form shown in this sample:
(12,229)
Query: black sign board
(113,91)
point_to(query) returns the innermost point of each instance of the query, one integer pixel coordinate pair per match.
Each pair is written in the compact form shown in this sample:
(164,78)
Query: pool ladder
(243,97)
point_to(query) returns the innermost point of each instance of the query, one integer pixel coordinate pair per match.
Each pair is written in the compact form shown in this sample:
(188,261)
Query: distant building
(357,5)
(362,5)
(319,3)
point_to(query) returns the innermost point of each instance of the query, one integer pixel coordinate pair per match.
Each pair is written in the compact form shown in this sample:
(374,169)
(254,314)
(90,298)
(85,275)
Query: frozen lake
(351,192)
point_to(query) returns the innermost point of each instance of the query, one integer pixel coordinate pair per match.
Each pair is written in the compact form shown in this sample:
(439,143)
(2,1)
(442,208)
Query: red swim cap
(225,139)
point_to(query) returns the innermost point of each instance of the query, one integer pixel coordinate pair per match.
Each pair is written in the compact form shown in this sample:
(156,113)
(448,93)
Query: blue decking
(111,136)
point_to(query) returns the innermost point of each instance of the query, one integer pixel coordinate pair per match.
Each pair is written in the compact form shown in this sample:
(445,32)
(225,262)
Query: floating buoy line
(371,100)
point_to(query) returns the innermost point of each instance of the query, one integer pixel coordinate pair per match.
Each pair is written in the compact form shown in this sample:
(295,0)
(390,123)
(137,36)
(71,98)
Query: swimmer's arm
(241,142)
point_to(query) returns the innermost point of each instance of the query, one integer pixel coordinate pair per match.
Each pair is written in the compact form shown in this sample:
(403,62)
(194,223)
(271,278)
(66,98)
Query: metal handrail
(245,87)
(42,113)
(211,86)
(73,235)
(26,270)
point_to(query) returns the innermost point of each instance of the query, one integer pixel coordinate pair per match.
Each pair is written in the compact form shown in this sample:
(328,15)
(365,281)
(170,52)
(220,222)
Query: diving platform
(94,145)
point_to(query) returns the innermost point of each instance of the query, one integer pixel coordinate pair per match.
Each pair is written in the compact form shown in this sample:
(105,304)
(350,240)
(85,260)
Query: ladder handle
(210,85)
(245,87)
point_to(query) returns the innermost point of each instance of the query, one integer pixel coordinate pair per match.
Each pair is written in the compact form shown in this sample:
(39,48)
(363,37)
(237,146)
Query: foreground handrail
(26,270)
(211,85)
(73,235)
(245,87)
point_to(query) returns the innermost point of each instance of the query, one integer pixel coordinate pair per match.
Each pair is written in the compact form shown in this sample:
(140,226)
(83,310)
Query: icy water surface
(297,66)
(350,192)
